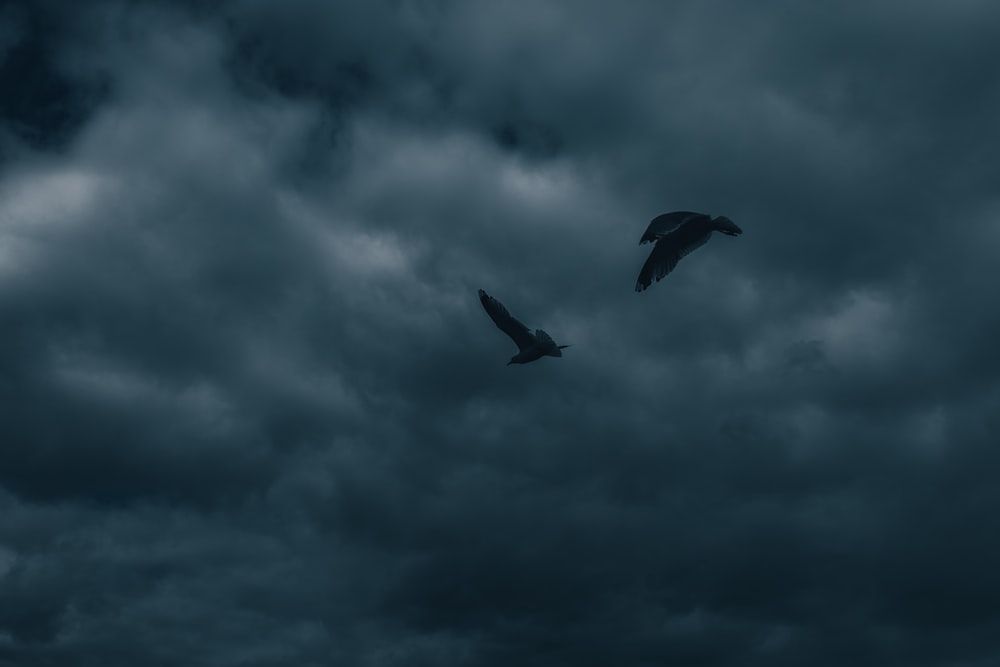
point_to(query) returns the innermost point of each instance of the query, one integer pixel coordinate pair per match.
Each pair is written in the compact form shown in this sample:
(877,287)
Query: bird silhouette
(531,346)
(678,234)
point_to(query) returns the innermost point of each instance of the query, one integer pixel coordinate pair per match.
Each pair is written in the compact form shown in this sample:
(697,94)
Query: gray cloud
(254,414)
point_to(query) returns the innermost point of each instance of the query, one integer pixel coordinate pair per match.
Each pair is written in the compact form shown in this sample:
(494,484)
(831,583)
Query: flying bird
(531,346)
(678,234)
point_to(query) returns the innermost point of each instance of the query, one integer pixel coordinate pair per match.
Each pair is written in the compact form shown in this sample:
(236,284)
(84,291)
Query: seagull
(677,234)
(531,346)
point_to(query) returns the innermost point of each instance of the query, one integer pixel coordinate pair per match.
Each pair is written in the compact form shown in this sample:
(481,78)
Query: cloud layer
(253,413)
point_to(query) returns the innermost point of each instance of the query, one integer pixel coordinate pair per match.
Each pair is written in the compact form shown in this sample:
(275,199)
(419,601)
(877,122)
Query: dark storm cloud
(46,100)
(253,412)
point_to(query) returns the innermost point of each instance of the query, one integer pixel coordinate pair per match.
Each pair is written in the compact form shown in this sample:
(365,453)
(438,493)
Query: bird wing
(547,345)
(543,338)
(666,253)
(661,225)
(506,322)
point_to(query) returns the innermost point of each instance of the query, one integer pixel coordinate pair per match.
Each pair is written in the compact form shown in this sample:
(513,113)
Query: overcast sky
(252,412)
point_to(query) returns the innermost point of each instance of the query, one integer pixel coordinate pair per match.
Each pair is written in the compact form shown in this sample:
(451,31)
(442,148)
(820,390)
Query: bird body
(677,235)
(531,346)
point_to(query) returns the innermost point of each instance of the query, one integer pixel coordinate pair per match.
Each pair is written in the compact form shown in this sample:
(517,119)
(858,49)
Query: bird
(677,234)
(531,346)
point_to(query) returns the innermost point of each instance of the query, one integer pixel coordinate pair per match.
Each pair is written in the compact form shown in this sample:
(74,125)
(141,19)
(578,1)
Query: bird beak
(509,363)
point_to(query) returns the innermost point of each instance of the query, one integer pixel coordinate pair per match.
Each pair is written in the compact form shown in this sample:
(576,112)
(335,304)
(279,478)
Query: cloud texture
(252,412)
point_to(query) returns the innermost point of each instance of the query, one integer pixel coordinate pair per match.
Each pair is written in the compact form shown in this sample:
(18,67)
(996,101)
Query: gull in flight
(531,346)
(677,234)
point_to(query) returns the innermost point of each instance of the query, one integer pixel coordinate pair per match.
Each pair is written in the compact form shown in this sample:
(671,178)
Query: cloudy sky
(252,412)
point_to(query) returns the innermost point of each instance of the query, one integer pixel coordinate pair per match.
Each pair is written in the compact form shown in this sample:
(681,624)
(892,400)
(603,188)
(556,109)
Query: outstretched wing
(547,345)
(543,337)
(661,225)
(668,251)
(505,322)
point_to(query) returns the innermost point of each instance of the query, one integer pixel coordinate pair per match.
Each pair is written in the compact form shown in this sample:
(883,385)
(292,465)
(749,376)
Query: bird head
(727,226)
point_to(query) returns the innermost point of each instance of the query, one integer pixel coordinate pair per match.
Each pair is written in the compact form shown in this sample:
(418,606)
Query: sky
(252,412)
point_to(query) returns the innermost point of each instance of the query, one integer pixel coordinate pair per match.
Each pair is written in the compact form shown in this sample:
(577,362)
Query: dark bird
(677,234)
(531,346)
